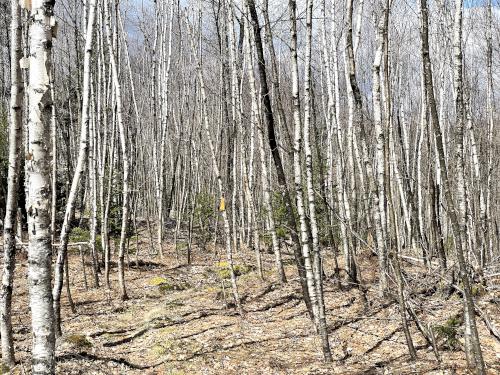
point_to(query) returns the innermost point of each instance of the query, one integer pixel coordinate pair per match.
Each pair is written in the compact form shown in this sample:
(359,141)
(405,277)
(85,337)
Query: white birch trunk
(80,167)
(264,170)
(206,126)
(380,199)
(317,266)
(38,169)
(125,158)
(15,143)
(164,95)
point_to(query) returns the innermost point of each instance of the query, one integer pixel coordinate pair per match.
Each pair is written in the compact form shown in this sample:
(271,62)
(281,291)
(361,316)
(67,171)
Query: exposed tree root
(346,321)
(279,302)
(126,339)
(203,331)
(93,357)
(382,340)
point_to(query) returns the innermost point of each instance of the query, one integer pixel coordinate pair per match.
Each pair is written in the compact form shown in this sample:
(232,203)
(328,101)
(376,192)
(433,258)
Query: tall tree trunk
(227,227)
(380,199)
(271,133)
(164,88)
(457,217)
(355,108)
(460,224)
(125,158)
(15,143)
(256,116)
(297,168)
(80,167)
(317,266)
(41,30)
(487,220)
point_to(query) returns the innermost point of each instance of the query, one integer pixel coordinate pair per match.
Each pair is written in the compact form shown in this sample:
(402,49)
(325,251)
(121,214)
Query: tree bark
(125,157)
(41,30)
(271,134)
(80,167)
(457,218)
(15,143)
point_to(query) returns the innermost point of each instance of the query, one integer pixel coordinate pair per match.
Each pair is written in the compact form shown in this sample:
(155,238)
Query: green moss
(224,272)
(173,304)
(79,341)
(165,286)
(157,281)
(181,245)
(478,290)
(163,348)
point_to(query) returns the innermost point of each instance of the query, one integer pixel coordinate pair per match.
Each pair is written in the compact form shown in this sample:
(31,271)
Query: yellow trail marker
(222,205)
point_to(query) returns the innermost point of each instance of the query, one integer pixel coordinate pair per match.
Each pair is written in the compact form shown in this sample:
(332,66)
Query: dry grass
(191,329)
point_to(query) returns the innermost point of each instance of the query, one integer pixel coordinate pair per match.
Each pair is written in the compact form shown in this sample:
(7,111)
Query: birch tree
(457,217)
(225,218)
(15,143)
(460,224)
(80,167)
(278,163)
(124,151)
(42,29)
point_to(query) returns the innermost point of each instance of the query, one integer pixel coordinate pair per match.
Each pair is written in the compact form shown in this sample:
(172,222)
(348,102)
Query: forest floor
(178,321)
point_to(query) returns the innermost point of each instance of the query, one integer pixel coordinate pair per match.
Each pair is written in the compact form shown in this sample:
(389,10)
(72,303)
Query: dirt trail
(177,322)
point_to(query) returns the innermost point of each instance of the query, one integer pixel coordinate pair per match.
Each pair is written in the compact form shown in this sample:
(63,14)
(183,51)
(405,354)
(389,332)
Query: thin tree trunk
(380,199)
(80,167)
(460,224)
(125,158)
(164,123)
(264,171)
(457,218)
(282,183)
(15,143)
(317,266)
(227,227)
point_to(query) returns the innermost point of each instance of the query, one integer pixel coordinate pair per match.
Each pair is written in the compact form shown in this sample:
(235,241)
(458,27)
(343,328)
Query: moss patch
(79,341)
(224,272)
(157,281)
(163,348)
(165,286)
(173,287)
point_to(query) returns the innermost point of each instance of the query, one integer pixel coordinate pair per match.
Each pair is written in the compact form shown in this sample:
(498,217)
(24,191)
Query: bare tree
(80,167)
(15,143)
(38,204)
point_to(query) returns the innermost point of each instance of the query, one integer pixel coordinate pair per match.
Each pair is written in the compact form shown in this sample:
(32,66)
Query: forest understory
(180,319)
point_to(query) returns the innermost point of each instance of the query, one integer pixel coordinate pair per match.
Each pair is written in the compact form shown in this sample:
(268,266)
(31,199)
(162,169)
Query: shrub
(280,215)
(203,215)
(79,234)
(449,332)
